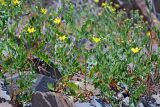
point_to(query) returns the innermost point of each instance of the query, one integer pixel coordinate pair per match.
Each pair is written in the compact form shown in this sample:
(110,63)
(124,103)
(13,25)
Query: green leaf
(154,57)
(51,86)
(73,86)
(1,74)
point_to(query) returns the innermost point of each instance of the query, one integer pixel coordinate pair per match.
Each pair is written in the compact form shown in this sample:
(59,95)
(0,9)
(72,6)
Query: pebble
(4,97)
(126,101)
(157,98)
(3,92)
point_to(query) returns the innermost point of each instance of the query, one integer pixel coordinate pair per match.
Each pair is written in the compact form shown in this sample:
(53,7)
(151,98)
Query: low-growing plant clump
(102,44)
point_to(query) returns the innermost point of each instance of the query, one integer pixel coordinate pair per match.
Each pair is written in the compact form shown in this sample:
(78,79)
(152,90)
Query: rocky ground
(43,97)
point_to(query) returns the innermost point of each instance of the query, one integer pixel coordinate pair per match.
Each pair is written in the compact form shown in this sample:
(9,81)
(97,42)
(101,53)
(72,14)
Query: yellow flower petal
(57,20)
(96,39)
(148,34)
(62,38)
(135,50)
(16,2)
(43,10)
(31,30)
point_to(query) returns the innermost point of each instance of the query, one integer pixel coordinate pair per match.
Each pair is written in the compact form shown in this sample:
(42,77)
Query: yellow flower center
(31,30)
(135,50)
(57,20)
(43,10)
(96,39)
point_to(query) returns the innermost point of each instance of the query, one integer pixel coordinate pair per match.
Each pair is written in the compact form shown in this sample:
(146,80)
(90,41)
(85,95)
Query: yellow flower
(135,50)
(148,34)
(96,1)
(43,10)
(96,39)
(31,30)
(62,38)
(16,2)
(57,20)
(104,5)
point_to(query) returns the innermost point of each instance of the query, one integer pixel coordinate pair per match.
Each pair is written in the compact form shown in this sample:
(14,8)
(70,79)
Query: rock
(140,105)
(4,97)
(50,99)
(6,104)
(8,78)
(85,104)
(99,103)
(157,98)
(95,102)
(126,101)
(41,83)
(120,96)
(88,87)
(148,101)
(43,68)
(88,45)
(132,105)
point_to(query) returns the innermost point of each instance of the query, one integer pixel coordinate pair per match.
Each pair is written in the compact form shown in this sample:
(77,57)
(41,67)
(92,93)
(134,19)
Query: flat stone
(50,99)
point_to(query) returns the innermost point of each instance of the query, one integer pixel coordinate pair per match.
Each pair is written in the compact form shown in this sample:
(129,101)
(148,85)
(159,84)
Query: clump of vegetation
(99,42)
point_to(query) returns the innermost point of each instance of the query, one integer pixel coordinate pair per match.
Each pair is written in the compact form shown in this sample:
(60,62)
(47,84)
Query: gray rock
(85,104)
(96,102)
(41,82)
(148,101)
(5,104)
(140,105)
(157,98)
(4,96)
(50,99)
(126,101)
